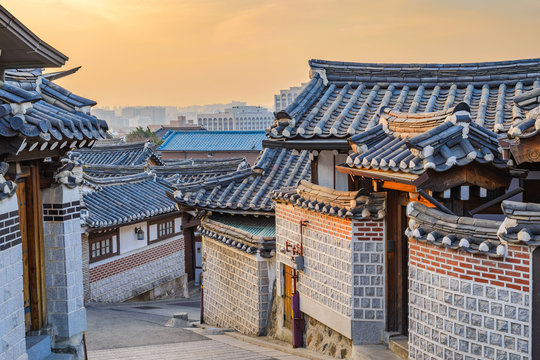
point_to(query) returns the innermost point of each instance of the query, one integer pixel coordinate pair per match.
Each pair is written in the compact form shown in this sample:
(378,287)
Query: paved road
(136,331)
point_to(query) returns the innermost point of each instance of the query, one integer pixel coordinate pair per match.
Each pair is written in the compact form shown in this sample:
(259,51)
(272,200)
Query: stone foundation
(317,336)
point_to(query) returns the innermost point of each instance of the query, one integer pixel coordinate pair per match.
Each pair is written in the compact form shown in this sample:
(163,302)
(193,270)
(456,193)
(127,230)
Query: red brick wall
(327,224)
(369,230)
(512,272)
(137,259)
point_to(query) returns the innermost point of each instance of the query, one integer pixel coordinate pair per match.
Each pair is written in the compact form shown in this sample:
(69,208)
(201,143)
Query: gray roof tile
(344,99)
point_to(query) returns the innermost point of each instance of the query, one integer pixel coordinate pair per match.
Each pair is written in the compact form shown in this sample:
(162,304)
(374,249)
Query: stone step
(55,356)
(38,347)
(399,345)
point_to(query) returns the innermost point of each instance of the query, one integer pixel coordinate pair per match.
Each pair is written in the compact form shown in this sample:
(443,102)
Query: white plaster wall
(325,169)
(342,180)
(128,239)
(327,174)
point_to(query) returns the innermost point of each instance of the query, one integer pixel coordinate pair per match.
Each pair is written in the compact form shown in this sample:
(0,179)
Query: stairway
(38,347)
(399,345)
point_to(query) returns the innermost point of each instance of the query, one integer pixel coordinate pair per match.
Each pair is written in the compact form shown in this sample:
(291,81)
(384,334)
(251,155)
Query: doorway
(31,227)
(397,260)
(288,292)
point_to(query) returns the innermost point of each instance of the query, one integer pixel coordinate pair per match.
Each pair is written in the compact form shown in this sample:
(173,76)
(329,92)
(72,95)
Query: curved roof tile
(344,99)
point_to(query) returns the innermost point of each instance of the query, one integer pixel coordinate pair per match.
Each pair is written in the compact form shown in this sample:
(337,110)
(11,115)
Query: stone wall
(469,306)
(136,272)
(342,284)
(12,329)
(236,288)
(368,281)
(63,268)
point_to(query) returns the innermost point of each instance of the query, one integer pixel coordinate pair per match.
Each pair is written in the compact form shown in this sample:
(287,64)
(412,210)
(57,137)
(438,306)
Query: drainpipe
(298,321)
(202,303)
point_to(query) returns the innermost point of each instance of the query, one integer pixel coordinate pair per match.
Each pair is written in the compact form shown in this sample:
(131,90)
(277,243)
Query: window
(103,245)
(164,229)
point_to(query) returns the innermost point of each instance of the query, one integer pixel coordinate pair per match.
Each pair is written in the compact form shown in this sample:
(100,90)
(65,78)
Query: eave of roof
(21,48)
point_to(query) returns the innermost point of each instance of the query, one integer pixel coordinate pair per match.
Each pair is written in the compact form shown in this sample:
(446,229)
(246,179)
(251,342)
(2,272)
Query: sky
(187,52)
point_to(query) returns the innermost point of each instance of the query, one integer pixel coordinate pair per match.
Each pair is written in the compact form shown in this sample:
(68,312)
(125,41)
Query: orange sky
(183,52)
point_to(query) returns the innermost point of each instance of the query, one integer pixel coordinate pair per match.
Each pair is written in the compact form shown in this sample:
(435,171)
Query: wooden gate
(31,227)
(21,198)
(397,253)
(288,291)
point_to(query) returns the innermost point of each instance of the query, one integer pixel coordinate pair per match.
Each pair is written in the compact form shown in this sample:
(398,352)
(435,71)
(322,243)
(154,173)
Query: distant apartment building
(286,97)
(237,118)
(145,115)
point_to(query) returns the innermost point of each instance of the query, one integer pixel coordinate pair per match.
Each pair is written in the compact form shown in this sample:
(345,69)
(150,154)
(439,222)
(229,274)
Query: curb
(280,346)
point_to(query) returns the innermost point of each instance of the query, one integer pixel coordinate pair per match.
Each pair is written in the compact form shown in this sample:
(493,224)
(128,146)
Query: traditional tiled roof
(245,233)
(343,204)
(522,223)
(44,114)
(21,47)
(248,190)
(110,142)
(187,171)
(475,235)
(527,125)
(119,200)
(208,141)
(124,154)
(345,98)
(415,143)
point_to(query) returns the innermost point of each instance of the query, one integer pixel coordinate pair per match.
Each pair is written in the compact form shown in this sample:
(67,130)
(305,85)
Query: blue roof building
(219,144)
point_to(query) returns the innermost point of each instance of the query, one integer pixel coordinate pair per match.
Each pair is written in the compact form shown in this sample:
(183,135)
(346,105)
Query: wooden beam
(527,150)
(398,177)
(437,204)
(495,201)
(399,186)
(36,154)
(473,174)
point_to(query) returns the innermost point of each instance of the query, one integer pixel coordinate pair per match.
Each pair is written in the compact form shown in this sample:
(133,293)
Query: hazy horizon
(194,52)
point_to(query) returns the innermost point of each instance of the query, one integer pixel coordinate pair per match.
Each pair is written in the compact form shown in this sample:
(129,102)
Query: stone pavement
(136,331)
(215,347)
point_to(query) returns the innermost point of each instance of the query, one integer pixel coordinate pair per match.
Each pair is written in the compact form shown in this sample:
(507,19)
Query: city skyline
(179,53)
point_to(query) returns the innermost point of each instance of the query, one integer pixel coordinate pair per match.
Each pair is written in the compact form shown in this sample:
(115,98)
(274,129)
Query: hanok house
(238,237)
(200,144)
(133,246)
(140,160)
(429,133)
(40,241)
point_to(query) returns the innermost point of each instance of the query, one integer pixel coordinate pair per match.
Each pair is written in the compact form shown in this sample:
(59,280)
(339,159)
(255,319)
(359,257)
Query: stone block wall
(469,306)
(131,274)
(368,281)
(12,329)
(63,267)
(236,288)
(342,284)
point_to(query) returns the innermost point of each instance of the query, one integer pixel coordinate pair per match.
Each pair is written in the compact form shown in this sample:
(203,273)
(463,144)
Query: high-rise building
(287,96)
(237,118)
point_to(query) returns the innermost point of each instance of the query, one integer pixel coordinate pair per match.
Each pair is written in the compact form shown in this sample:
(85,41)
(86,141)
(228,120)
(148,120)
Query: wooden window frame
(158,222)
(100,237)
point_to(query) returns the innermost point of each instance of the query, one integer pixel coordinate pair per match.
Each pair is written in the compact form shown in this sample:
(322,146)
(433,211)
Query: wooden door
(22,202)
(397,253)
(288,291)
(31,227)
